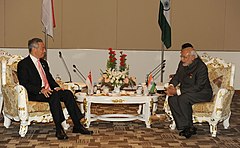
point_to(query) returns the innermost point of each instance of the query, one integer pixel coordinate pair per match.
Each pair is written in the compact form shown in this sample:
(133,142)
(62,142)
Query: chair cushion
(34,106)
(203,108)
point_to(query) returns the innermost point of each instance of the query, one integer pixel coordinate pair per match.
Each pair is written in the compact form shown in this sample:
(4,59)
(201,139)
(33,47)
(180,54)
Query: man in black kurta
(189,85)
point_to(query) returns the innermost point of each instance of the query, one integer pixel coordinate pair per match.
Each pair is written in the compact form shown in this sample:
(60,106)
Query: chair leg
(226,122)
(65,113)
(139,109)
(172,125)
(65,125)
(82,108)
(7,121)
(213,129)
(23,129)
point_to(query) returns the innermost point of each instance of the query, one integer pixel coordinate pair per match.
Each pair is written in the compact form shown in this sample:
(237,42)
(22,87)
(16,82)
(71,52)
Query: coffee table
(147,103)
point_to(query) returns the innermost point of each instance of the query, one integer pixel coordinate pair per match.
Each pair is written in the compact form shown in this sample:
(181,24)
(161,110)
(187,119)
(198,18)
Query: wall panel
(200,22)
(21,22)
(1,23)
(137,26)
(89,24)
(123,24)
(232,25)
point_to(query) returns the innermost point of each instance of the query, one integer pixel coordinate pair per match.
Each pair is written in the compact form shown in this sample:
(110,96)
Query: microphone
(79,72)
(156,70)
(159,70)
(65,65)
(162,63)
(157,74)
(79,75)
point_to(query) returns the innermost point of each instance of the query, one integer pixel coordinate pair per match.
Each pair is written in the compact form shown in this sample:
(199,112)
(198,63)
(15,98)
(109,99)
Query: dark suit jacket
(193,79)
(29,77)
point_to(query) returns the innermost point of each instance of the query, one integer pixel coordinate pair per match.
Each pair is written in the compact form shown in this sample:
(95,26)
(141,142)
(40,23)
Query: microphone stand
(162,63)
(79,76)
(65,65)
(155,70)
(158,71)
(75,67)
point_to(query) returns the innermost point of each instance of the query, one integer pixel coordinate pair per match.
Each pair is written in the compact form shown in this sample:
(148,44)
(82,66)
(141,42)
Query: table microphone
(74,70)
(156,70)
(162,63)
(65,65)
(75,67)
(159,70)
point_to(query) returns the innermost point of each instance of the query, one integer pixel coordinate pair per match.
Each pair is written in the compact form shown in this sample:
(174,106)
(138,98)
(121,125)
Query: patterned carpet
(132,134)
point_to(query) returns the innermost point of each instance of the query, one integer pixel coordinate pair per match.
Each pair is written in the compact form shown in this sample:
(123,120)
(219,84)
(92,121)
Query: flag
(48,18)
(152,89)
(164,22)
(89,83)
(150,80)
(151,84)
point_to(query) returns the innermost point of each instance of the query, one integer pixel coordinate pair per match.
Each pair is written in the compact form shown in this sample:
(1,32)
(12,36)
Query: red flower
(122,66)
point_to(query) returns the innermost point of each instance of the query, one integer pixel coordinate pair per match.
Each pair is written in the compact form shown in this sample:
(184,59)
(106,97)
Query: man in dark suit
(189,85)
(33,73)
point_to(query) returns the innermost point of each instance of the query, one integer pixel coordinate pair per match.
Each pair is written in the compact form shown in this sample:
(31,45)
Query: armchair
(221,75)
(16,105)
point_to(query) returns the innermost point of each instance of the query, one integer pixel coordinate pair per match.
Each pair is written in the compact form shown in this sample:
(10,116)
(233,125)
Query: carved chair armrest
(22,102)
(166,106)
(15,101)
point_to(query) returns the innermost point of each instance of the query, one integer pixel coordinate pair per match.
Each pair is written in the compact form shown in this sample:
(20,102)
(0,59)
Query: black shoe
(61,135)
(186,133)
(193,130)
(82,130)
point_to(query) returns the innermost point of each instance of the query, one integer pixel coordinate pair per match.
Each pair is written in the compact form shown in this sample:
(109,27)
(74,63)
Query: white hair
(194,53)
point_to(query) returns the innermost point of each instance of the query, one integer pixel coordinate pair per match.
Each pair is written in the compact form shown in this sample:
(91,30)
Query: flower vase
(117,89)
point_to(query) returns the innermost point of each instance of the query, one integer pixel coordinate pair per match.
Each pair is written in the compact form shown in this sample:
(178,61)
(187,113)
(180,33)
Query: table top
(117,98)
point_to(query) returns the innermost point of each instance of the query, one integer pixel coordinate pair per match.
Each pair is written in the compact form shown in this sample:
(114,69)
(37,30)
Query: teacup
(139,91)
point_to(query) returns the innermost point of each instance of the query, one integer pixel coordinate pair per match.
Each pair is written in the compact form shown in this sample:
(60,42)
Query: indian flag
(164,22)
(151,84)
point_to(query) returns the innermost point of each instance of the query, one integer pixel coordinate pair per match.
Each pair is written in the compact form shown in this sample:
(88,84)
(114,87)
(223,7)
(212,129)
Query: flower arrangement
(113,77)
(111,63)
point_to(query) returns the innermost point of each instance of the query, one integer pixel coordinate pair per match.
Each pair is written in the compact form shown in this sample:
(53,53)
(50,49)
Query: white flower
(114,77)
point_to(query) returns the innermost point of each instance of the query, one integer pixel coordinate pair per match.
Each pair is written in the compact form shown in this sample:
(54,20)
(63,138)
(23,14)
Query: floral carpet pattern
(132,134)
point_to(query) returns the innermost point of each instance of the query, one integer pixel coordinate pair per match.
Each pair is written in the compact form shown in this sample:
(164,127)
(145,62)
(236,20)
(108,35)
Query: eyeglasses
(184,56)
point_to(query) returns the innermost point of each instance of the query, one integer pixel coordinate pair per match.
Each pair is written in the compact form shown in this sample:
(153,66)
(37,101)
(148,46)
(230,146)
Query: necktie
(43,75)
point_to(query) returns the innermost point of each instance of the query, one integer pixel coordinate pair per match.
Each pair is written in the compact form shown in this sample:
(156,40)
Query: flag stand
(162,58)
(46,43)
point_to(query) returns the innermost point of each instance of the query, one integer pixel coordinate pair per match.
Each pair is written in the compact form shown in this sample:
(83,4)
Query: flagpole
(162,58)
(46,43)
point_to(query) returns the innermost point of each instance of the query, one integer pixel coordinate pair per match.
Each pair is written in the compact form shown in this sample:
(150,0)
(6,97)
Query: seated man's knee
(184,98)
(172,99)
(68,93)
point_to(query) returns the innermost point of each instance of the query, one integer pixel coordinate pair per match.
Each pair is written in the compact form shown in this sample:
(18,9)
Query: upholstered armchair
(16,105)
(221,75)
